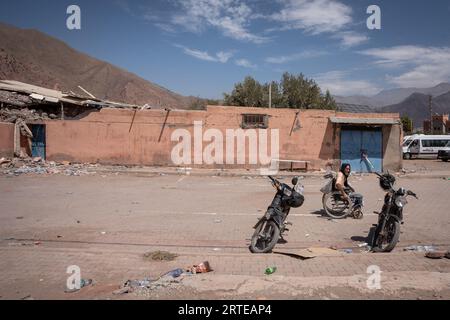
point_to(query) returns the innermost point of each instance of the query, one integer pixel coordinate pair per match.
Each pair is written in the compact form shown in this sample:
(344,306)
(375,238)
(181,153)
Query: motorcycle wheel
(265,237)
(336,209)
(388,241)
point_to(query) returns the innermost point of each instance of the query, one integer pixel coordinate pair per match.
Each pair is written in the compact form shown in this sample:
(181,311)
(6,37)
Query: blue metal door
(38,143)
(362,149)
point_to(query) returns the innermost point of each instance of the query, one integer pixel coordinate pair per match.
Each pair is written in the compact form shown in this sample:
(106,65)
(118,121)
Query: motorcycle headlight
(400,202)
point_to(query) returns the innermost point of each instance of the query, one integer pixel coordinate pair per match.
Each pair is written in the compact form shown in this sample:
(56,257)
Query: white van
(407,140)
(424,145)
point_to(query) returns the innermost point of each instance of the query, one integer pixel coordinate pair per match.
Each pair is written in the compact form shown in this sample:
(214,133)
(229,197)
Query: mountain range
(393,96)
(33,57)
(417,107)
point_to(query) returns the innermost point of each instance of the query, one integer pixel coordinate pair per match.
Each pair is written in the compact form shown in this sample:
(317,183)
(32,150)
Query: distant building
(441,125)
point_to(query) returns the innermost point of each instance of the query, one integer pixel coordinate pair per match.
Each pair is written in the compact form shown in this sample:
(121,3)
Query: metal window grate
(254,121)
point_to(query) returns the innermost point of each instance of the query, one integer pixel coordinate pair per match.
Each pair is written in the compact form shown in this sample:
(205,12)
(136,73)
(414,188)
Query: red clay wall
(6,139)
(105,136)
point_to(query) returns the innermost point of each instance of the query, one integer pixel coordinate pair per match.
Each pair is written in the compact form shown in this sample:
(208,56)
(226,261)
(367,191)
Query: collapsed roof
(22,95)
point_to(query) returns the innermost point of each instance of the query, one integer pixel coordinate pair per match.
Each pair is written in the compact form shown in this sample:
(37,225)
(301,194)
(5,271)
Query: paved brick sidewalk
(104,224)
(40,270)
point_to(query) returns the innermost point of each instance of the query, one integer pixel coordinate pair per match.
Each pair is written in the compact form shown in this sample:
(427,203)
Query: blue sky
(203,47)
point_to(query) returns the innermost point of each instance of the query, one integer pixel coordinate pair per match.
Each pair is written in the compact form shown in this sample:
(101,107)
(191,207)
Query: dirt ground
(105,223)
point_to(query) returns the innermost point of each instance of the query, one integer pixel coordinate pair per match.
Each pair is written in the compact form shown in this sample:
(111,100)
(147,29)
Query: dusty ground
(105,222)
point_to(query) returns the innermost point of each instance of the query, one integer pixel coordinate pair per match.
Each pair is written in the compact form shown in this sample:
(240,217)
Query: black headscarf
(343,166)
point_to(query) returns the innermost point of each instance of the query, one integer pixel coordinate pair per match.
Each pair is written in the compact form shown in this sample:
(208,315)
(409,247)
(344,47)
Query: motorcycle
(270,228)
(333,204)
(387,231)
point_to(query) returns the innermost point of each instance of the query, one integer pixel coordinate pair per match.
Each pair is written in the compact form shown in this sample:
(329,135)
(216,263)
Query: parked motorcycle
(270,228)
(333,204)
(387,231)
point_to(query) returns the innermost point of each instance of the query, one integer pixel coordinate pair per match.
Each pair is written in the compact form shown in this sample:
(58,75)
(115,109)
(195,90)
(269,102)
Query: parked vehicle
(444,154)
(333,204)
(270,228)
(406,138)
(424,145)
(387,231)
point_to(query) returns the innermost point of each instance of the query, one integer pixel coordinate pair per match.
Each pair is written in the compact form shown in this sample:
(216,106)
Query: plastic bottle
(271,270)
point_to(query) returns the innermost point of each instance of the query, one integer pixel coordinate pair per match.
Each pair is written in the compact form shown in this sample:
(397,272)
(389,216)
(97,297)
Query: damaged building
(25,108)
(80,128)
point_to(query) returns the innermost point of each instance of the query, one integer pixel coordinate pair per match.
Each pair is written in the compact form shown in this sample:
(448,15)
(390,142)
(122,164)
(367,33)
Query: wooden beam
(87,92)
(293,124)
(132,121)
(164,125)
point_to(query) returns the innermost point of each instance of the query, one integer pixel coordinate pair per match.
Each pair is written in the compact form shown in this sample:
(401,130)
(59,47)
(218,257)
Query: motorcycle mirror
(294,181)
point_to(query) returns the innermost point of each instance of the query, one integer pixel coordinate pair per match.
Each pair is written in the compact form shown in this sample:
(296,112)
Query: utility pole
(430,100)
(270,95)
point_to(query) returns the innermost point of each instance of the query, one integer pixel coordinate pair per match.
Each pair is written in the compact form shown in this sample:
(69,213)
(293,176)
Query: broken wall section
(6,140)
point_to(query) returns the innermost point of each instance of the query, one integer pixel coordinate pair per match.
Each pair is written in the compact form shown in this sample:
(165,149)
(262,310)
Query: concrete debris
(169,279)
(435,254)
(12,115)
(420,248)
(37,165)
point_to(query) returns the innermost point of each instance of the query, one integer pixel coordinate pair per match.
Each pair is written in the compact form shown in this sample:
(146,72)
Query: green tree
(293,91)
(329,102)
(248,93)
(276,96)
(198,103)
(407,124)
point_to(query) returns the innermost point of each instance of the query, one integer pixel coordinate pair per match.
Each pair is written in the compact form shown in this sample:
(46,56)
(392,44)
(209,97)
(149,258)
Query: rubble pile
(14,98)
(12,115)
(19,166)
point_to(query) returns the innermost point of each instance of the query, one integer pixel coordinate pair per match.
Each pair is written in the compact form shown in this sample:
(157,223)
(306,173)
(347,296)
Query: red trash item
(203,267)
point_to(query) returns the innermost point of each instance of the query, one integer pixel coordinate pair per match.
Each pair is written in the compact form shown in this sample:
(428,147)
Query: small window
(426,143)
(254,121)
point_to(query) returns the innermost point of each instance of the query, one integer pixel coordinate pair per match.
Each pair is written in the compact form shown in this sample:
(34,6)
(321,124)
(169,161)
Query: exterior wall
(6,139)
(106,136)
(392,150)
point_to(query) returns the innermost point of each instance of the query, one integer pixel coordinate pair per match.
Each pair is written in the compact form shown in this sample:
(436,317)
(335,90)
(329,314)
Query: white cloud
(350,38)
(224,56)
(337,84)
(165,27)
(425,66)
(220,56)
(245,63)
(315,16)
(229,16)
(296,56)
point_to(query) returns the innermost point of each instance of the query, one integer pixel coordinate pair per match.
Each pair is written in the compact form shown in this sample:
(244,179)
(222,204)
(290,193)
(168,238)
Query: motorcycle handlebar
(410,193)
(275,182)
